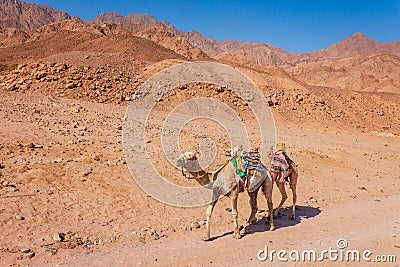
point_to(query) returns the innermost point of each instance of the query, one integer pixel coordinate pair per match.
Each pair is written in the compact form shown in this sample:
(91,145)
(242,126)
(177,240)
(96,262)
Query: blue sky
(293,25)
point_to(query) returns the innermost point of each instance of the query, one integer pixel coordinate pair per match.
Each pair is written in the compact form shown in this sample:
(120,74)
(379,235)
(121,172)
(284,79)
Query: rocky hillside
(140,42)
(380,73)
(22,15)
(142,19)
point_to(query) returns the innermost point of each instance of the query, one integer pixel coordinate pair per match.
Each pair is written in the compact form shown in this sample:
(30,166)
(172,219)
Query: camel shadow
(219,236)
(283,219)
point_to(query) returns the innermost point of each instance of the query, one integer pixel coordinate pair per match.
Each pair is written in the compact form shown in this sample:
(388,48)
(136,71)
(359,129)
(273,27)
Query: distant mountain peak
(359,37)
(23,15)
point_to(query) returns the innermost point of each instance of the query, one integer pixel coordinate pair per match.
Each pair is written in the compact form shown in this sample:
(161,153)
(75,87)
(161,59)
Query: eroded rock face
(22,15)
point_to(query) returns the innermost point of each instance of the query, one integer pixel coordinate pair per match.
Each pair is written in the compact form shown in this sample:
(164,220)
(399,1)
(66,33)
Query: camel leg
(209,211)
(254,208)
(282,190)
(267,189)
(293,185)
(234,200)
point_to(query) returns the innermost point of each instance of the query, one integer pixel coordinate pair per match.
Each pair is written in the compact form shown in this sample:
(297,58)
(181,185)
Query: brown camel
(226,181)
(292,180)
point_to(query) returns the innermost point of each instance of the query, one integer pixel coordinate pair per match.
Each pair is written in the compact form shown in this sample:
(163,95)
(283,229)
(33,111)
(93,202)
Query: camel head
(234,152)
(188,163)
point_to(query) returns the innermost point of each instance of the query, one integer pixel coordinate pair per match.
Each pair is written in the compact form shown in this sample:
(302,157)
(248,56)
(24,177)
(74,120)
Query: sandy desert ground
(63,171)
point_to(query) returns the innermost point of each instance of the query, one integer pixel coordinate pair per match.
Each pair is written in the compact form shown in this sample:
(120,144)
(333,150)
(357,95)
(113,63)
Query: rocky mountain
(379,73)
(142,19)
(141,42)
(23,15)
(355,63)
(263,54)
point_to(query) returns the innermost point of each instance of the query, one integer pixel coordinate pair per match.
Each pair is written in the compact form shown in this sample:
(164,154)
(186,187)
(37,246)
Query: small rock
(312,199)
(70,86)
(31,255)
(19,217)
(25,250)
(195,225)
(89,171)
(6,183)
(2,166)
(58,236)
(100,243)
(201,223)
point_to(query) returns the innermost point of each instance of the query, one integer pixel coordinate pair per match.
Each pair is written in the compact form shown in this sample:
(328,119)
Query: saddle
(281,163)
(251,162)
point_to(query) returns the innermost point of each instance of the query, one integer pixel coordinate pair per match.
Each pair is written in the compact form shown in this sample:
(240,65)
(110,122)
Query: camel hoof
(205,238)
(245,230)
(237,236)
(252,221)
(272,228)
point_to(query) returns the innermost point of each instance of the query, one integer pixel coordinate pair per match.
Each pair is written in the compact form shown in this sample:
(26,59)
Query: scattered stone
(70,86)
(362,188)
(58,237)
(25,250)
(313,200)
(31,255)
(195,225)
(19,217)
(86,173)
(87,243)
(55,161)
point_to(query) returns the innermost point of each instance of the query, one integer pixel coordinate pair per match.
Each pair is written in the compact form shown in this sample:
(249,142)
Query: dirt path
(371,225)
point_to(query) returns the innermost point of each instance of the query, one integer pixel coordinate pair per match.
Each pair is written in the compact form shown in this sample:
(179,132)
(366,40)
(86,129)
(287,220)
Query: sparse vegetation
(12,67)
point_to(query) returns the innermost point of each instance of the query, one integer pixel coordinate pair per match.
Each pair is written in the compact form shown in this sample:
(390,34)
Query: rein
(194,177)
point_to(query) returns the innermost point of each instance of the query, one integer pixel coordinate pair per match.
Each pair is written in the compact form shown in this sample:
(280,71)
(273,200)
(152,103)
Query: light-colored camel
(227,180)
(266,188)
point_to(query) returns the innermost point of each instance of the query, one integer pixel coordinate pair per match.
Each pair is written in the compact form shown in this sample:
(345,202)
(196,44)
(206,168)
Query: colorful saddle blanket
(279,162)
(252,160)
